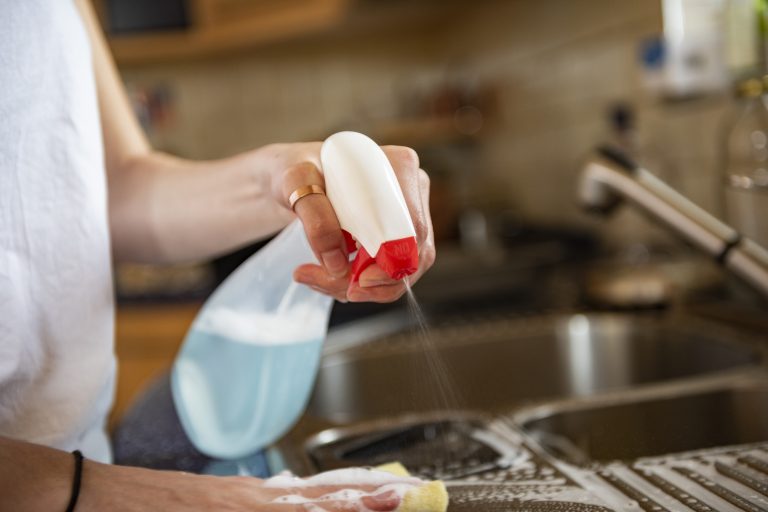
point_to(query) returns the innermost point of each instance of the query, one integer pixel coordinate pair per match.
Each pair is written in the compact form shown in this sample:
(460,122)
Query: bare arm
(165,209)
(34,478)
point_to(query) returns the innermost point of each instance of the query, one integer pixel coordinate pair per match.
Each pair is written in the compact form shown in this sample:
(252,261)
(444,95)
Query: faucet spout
(611,178)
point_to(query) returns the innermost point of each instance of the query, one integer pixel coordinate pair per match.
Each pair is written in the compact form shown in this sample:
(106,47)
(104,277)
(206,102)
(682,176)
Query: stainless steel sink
(631,427)
(499,363)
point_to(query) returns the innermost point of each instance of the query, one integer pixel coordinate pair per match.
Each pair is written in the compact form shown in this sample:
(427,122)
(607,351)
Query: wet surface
(501,498)
(710,480)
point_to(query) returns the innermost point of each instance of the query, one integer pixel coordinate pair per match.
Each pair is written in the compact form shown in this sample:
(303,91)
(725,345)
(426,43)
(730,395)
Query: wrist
(34,477)
(268,165)
(104,487)
(77,477)
(276,159)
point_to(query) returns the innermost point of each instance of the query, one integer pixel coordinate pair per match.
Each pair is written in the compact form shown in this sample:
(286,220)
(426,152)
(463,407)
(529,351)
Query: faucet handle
(613,177)
(618,157)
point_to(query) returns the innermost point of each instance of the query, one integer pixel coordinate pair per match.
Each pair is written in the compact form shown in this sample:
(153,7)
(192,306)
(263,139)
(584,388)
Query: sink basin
(731,414)
(495,364)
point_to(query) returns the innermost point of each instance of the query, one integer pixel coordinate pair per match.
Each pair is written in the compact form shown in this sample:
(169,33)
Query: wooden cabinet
(221,26)
(147,338)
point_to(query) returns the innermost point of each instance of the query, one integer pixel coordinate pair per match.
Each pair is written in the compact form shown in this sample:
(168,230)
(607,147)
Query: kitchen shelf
(221,26)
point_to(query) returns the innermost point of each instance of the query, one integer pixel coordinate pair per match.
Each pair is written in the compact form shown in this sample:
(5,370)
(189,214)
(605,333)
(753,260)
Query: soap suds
(382,481)
(350,497)
(348,476)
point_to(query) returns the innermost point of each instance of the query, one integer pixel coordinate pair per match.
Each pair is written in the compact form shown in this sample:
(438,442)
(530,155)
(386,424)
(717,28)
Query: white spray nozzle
(369,204)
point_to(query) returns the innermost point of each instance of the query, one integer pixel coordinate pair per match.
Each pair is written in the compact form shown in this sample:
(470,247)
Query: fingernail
(367,283)
(335,262)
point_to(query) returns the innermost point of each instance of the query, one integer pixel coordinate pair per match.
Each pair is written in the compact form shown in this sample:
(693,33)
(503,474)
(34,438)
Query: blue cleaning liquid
(241,395)
(245,371)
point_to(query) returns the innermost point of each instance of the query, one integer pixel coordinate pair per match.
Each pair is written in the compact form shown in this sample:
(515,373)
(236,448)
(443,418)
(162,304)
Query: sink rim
(749,379)
(721,381)
(350,342)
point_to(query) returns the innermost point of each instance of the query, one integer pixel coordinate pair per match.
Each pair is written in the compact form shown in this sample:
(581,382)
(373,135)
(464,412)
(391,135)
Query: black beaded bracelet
(76,481)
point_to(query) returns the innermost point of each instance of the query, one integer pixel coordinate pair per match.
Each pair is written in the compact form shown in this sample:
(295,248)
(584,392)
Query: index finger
(318,217)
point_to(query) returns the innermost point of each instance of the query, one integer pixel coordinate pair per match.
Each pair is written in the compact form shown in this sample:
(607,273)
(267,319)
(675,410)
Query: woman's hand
(297,165)
(35,477)
(128,489)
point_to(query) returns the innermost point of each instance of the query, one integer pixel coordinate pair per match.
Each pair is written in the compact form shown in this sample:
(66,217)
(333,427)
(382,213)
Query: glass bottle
(745,162)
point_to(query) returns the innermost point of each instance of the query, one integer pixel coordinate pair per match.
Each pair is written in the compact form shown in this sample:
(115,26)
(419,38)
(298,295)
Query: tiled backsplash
(556,66)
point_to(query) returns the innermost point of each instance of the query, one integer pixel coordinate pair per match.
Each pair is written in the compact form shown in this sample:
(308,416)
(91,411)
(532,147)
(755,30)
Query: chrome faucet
(611,177)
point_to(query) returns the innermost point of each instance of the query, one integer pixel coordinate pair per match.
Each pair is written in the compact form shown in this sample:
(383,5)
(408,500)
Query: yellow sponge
(430,497)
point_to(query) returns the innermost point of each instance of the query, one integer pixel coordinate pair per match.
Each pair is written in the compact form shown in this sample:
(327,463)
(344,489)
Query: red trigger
(361,262)
(350,241)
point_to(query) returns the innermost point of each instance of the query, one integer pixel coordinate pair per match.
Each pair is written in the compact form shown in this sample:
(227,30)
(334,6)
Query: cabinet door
(216,14)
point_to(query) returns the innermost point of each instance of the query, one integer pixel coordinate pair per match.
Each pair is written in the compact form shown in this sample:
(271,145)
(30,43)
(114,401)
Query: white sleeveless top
(57,363)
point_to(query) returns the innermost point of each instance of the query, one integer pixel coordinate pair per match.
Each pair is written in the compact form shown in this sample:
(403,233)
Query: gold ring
(303,192)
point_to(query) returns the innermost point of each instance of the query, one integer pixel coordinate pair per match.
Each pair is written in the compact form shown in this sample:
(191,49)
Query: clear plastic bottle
(248,363)
(745,163)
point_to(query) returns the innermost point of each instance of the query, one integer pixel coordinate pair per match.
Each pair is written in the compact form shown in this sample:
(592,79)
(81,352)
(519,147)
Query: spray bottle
(248,363)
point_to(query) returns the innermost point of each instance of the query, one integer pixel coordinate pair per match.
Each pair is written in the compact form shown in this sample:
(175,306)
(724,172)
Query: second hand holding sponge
(412,494)
(428,497)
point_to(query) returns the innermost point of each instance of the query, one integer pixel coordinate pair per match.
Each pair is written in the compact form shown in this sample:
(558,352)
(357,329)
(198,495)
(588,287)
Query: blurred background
(503,100)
